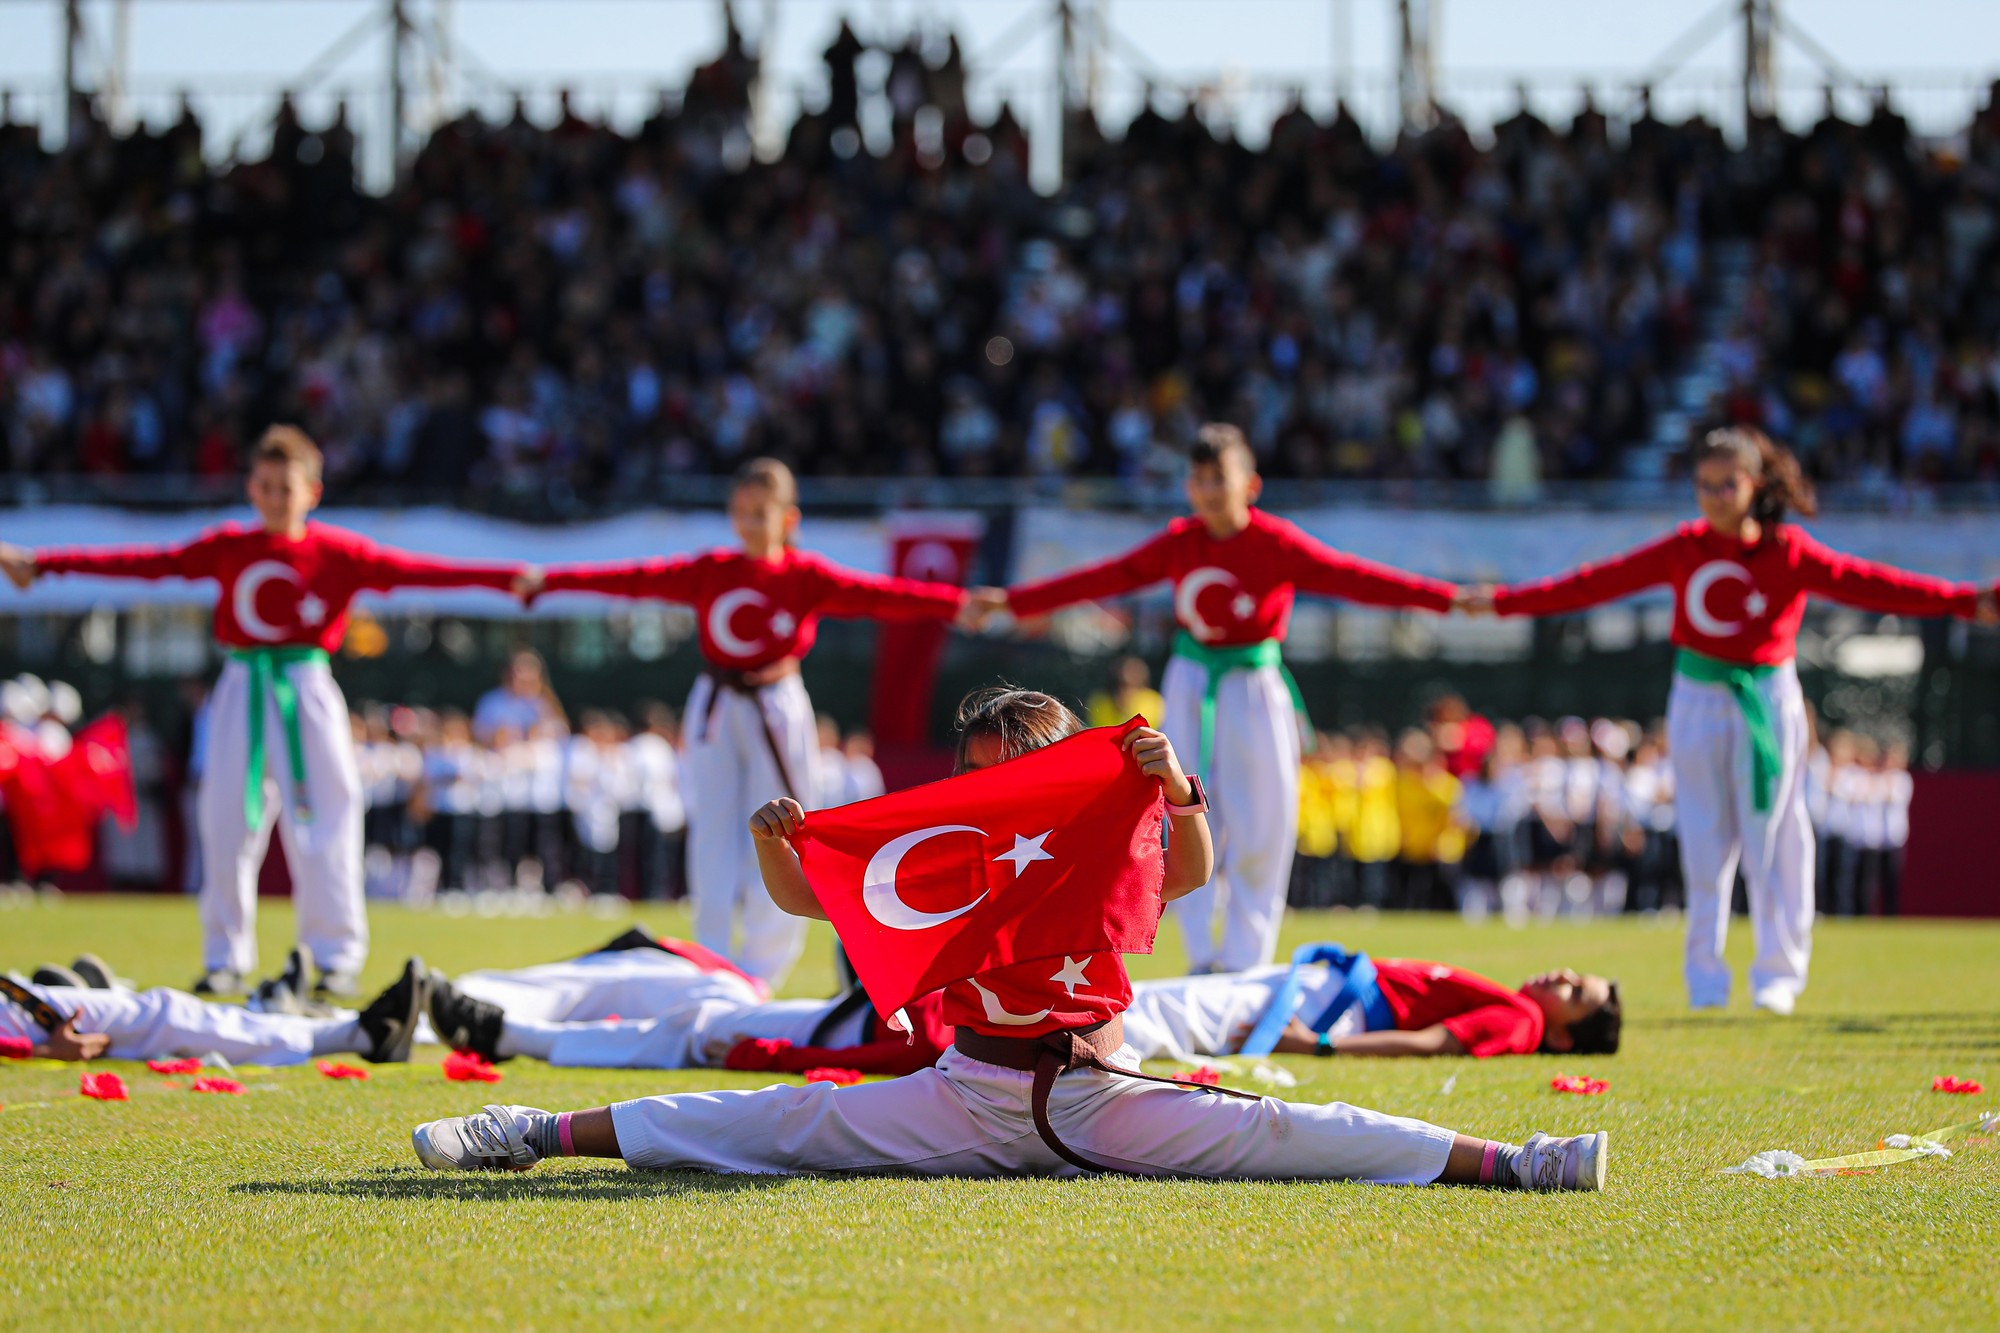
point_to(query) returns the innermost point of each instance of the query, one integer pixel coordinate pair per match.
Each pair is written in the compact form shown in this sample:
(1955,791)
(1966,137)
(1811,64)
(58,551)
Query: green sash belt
(1219,662)
(268,667)
(1741,681)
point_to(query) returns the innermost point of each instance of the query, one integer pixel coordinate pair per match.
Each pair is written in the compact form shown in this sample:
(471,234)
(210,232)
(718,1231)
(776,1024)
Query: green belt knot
(1741,681)
(270,678)
(1219,662)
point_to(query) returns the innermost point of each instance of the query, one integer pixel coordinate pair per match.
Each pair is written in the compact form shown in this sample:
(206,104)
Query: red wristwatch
(1198,806)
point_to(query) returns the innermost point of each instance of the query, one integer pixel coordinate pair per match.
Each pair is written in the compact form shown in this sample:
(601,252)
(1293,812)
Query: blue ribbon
(1358,984)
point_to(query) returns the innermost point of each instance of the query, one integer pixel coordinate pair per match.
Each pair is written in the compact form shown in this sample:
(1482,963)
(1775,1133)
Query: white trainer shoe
(1775,1000)
(488,1141)
(1564,1164)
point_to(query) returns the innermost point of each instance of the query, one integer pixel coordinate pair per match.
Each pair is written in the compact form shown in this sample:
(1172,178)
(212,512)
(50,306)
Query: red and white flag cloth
(54,805)
(1054,853)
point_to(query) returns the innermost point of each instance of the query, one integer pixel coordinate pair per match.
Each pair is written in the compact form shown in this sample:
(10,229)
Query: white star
(1244,606)
(1072,975)
(1754,605)
(311,610)
(782,624)
(1026,850)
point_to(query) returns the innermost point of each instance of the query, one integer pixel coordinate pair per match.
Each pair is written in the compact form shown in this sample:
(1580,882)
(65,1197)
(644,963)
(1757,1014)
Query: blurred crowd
(1571,817)
(563,310)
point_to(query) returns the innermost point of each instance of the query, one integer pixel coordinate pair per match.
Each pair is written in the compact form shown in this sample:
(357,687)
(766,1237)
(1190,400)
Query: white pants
(1253,790)
(1184,1018)
(324,854)
(639,1009)
(1718,826)
(730,773)
(162,1024)
(969,1118)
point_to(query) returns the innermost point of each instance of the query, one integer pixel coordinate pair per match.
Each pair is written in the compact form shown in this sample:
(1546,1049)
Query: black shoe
(390,1020)
(634,938)
(464,1023)
(55,974)
(220,981)
(294,977)
(96,973)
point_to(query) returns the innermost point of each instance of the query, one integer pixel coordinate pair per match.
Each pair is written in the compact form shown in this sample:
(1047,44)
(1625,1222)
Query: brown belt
(747,683)
(1054,1054)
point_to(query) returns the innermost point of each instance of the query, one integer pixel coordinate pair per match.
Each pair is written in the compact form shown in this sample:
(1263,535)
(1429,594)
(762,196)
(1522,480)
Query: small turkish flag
(1054,853)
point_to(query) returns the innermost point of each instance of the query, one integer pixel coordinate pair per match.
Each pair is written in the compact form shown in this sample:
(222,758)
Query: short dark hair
(1597,1033)
(1216,441)
(1021,720)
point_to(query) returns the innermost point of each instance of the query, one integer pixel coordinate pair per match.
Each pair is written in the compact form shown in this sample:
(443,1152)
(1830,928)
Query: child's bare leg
(591,1134)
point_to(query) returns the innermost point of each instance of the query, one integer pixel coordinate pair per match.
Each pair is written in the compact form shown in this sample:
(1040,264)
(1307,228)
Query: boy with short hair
(276,716)
(1230,703)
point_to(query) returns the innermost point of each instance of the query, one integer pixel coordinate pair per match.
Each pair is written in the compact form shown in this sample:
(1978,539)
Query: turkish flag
(1056,852)
(54,805)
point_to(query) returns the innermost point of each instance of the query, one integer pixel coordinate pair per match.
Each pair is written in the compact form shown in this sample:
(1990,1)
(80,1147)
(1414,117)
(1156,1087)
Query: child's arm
(1589,585)
(1852,581)
(1128,573)
(384,567)
(1298,1039)
(850,594)
(675,579)
(1190,848)
(771,830)
(188,560)
(1318,568)
(65,1043)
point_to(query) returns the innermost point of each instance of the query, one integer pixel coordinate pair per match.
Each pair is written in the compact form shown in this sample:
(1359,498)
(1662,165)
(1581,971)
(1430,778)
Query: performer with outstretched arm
(1736,722)
(1230,702)
(749,724)
(279,725)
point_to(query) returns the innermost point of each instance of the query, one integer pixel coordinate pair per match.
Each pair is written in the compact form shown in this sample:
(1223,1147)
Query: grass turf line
(302,1201)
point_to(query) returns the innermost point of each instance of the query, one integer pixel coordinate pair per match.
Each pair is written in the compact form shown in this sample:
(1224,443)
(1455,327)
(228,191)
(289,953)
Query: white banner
(861,543)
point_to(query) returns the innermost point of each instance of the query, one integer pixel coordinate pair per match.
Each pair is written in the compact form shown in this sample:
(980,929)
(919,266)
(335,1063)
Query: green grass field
(300,1205)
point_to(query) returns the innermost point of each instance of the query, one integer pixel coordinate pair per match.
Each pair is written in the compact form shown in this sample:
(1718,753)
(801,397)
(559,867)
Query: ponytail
(1782,487)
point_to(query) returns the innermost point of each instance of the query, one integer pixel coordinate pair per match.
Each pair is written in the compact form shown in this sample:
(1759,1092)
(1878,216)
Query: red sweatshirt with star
(755,612)
(1236,590)
(1741,601)
(280,591)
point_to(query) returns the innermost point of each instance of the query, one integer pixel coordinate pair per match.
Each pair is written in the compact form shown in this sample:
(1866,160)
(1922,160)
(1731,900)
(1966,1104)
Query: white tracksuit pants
(730,773)
(324,853)
(640,1009)
(969,1118)
(162,1024)
(1718,826)
(1253,791)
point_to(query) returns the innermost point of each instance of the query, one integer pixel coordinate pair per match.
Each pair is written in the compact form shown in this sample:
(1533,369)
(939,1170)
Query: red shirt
(754,612)
(885,1052)
(1236,590)
(1044,995)
(1737,601)
(279,591)
(1486,1017)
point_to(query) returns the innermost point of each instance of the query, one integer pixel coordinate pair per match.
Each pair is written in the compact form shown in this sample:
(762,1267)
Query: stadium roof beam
(1416,68)
(1760,68)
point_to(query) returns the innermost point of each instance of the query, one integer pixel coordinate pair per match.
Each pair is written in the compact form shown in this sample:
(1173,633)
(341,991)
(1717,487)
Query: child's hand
(777,821)
(1156,757)
(981,605)
(528,584)
(1474,601)
(18,564)
(66,1043)
(1988,612)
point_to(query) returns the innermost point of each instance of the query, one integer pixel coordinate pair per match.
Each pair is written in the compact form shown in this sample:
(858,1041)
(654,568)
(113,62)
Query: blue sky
(614,50)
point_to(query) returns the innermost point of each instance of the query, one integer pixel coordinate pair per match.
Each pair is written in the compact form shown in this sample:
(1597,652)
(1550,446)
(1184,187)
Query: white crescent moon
(932,561)
(1705,578)
(996,1014)
(1191,589)
(878,884)
(244,601)
(722,609)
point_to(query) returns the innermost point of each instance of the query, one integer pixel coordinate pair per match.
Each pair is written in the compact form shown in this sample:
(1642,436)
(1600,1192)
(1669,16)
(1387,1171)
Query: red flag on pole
(1054,853)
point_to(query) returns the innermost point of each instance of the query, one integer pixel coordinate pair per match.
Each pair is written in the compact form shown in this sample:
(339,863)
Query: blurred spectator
(1131,694)
(521,702)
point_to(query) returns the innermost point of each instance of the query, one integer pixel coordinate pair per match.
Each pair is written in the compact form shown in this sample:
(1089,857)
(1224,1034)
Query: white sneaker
(488,1141)
(1563,1164)
(1775,1000)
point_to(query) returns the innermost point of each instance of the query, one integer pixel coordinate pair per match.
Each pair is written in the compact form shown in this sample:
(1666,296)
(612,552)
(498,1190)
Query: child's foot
(463,1022)
(336,986)
(219,981)
(390,1020)
(55,974)
(1563,1164)
(1775,1000)
(491,1140)
(96,973)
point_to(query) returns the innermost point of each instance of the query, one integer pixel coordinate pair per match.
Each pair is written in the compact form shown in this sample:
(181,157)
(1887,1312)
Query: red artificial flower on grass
(15,1048)
(103,1087)
(334,1069)
(828,1074)
(466,1067)
(1964,1086)
(1208,1076)
(1580,1084)
(187,1066)
(214,1084)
